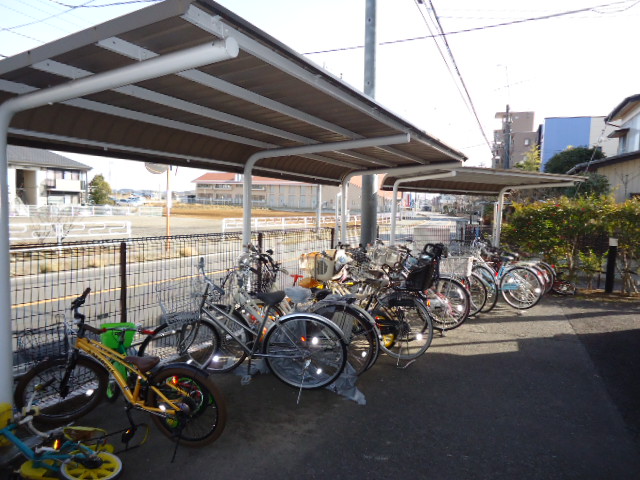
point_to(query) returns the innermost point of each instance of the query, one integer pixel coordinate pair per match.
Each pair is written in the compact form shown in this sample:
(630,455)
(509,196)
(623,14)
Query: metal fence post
(123,282)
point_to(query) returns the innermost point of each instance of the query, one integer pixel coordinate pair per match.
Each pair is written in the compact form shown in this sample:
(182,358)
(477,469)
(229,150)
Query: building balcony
(62,185)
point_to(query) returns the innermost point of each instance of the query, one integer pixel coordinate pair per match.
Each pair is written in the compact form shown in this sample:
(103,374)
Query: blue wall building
(559,133)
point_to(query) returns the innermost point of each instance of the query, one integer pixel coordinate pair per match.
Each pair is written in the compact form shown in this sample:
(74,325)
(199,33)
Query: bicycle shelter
(189,83)
(474,181)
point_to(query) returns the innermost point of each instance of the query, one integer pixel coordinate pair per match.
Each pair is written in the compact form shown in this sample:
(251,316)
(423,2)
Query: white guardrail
(55,212)
(62,231)
(236,224)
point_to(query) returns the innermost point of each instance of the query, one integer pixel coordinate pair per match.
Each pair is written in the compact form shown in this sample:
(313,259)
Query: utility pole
(369,202)
(507,139)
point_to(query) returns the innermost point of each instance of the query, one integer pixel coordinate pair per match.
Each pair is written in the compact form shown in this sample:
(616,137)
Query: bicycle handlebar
(215,287)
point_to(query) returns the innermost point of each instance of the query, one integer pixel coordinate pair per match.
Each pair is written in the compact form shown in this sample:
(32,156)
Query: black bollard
(611,265)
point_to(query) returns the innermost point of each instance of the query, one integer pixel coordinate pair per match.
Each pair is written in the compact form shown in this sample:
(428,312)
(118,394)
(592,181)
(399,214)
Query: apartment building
(39,177)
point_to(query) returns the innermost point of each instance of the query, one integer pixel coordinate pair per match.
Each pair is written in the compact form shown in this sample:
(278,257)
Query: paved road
(549,393)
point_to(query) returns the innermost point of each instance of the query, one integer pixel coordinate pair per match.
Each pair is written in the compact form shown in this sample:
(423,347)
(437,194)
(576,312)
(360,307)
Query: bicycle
(447,297)
(74,453)
(520,286)
(303,350)
(184,404)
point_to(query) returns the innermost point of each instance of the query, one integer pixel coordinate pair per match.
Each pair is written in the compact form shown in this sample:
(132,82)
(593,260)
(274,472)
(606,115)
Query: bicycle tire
(110,469)
(305,350)
(363,345)
(203,414)
(449,302)
(87,388)
(194,342)
(477,294)
(489,278)
(405,324)
(230,353)
(521,287)
(550,272)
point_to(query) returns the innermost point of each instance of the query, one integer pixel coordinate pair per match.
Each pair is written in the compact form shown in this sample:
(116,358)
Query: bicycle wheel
(363,346)
(448,302)
(110,468)
(405,325)
(61,403)
(305,350)
(203,412)
(551,273)
(194,343)
(477,293)
(230,353)
(521,288)
(488,276)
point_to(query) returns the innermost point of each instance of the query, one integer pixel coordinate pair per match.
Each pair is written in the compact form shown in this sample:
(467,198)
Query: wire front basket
(180,298)
(456,266)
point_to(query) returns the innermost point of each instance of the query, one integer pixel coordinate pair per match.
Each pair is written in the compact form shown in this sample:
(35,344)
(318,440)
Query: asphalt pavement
(546,393)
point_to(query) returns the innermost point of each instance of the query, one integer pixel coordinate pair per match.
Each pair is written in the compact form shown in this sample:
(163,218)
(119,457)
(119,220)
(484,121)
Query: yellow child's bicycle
(184,403)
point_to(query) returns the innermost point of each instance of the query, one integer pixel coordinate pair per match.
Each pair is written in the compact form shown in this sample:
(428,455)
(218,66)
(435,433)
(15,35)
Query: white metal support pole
(6,349)
(497,219)
(194,57)
(414,169)
(394,207)
(318,207)
(302,150)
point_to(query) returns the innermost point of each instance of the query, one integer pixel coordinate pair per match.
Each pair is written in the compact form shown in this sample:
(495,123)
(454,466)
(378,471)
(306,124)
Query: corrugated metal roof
(476,181)
(41,158)
(214,116)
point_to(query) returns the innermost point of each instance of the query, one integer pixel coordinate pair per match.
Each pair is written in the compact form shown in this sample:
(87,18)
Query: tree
(595,185)
(99,191)
(531,161)
(564,161)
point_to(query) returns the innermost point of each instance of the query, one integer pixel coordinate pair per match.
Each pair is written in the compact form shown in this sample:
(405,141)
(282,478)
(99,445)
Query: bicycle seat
(271,298)
(143,363)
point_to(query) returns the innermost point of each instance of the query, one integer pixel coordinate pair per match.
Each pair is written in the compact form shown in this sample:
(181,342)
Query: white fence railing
(36,232)
(54,212)
(236,224)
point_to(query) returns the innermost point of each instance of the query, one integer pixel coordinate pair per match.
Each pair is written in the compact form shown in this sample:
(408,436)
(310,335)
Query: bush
(556,230)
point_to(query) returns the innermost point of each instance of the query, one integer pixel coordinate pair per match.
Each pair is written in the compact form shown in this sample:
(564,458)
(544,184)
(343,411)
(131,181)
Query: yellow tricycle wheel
(111,468)
(29,471)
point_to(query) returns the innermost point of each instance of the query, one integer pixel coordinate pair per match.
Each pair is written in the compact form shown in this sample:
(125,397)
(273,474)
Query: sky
(564,58)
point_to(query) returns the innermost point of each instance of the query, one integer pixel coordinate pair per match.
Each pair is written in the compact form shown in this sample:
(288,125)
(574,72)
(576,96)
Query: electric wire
(484,27)
(471,105)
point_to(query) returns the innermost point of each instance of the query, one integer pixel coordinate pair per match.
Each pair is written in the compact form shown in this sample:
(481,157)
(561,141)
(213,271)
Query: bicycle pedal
(246,380)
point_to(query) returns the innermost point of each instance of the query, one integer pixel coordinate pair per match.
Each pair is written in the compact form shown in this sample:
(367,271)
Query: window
(527,142)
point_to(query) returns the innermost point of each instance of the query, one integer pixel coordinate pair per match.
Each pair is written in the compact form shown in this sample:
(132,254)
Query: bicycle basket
(34,344)
(180,295)
(456,266)
(114,338)
(421,278)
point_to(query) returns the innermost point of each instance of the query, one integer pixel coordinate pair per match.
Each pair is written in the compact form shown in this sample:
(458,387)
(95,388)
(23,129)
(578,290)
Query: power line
(459,74)
(487,27)
(15,27)
(114,4)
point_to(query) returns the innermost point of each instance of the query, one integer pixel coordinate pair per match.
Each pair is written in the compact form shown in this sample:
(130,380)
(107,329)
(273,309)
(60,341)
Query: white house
(623,169)
(39,177)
